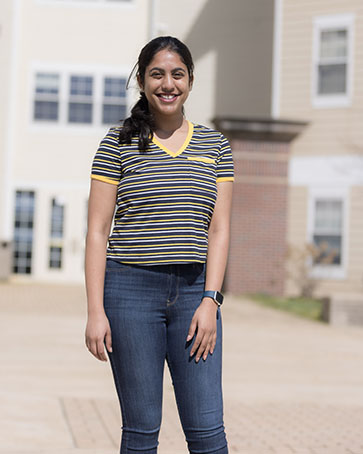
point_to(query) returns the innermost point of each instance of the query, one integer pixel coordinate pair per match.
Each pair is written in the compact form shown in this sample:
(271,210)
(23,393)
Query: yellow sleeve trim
(105,179)
(220,179)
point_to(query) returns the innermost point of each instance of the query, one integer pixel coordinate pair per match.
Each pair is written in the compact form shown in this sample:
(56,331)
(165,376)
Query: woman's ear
(138,78)
(191,80)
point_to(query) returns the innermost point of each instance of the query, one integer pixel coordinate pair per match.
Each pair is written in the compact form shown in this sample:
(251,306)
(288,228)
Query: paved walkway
(291,386)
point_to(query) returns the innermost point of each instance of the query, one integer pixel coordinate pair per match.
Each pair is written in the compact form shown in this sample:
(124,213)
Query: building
(281,78)
(66,65)
(321,81)
(285,86)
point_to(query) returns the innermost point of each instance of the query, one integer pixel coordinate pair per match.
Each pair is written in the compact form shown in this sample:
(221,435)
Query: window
(114,102)
(55,257)
(46,100)
(80,99)
(23,231)
(332,65)
(327,234)
(56,234)
(332,60)
(68,97)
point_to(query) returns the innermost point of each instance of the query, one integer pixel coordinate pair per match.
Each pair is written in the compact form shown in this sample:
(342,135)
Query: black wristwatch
(216,296)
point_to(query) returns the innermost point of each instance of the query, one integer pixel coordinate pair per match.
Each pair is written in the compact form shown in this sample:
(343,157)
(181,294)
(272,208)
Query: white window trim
(89,3)
(64,70)
(323,23)
(329,271)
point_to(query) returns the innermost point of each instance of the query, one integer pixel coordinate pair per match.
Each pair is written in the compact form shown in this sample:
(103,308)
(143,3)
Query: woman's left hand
(205,322)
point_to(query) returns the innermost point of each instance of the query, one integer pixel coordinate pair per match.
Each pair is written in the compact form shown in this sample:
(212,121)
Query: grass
(303,307)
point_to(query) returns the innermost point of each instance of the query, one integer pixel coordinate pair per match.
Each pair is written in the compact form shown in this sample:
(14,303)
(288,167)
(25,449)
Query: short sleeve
(106,165)
(225,168)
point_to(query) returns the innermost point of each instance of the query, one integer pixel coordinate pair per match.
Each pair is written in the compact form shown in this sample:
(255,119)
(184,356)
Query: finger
(108,341)
(202,348)
(208,348)
(197,342)
(101,350)
(93,348)
(206,351)
(192,328)
(214,341)
(87,341)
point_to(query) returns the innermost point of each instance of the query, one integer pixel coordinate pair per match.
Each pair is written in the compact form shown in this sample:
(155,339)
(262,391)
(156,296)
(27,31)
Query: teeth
(167,96)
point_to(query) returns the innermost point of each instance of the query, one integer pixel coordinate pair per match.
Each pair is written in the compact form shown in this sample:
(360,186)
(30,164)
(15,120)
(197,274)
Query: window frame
(99,73)
(329,271)
(323,23)
(89,3)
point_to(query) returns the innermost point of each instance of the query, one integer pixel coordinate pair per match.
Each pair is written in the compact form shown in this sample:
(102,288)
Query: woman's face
(166,83)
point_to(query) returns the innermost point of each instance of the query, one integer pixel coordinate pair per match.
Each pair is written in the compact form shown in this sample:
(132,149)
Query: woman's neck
(168,125)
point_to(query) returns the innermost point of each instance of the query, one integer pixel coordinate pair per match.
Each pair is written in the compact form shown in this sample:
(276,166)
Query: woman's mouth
(167,98)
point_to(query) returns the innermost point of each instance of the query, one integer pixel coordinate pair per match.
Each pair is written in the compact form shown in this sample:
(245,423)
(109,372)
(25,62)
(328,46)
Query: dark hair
(141,121)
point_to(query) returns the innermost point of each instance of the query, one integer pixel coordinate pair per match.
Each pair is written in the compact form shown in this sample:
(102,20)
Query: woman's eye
(156,75)
(178,75)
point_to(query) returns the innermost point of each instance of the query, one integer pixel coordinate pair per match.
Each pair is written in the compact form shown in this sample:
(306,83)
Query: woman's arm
(101,207)
(218,243)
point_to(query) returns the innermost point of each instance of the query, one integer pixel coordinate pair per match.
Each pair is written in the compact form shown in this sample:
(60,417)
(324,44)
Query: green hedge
(303,307)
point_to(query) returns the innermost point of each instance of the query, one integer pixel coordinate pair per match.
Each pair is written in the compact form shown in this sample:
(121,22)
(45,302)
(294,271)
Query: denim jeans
(150,309)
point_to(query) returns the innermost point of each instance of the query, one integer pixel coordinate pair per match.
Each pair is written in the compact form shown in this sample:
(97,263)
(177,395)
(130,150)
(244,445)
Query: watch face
(219,298)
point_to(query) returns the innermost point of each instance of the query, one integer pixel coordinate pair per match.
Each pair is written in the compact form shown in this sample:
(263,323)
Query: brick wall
(259,216)
(259,208)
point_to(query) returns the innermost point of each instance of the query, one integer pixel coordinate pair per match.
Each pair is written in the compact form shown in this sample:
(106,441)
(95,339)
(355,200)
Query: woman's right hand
(97,331)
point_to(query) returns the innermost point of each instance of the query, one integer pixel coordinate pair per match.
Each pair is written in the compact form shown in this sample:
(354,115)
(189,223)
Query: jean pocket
(114,265)
(199,268)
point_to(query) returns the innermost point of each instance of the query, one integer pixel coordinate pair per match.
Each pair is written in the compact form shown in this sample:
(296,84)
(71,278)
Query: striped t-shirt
(165,199)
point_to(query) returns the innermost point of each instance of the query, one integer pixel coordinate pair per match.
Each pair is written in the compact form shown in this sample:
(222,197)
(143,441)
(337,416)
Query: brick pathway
(291,386)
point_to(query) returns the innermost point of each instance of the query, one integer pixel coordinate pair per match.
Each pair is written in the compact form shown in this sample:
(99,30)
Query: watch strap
(216,296)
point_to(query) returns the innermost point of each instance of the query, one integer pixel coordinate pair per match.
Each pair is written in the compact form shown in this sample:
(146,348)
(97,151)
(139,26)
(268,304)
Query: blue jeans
(150,309)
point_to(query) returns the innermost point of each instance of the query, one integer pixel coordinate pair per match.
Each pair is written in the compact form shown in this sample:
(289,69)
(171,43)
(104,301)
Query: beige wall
(297,227)
(55,160)
(231,42)
(333,130)
(94,37)
(200,105)
(333,140)
(178,20)
(5,63)
(81,33)
(297,236)
(355,247)
(6,48)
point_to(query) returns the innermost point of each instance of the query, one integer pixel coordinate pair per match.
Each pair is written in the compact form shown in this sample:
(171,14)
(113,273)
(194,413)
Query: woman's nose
(168,82)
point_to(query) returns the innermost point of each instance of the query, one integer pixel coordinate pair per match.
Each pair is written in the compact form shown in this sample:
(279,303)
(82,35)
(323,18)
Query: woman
(152,289)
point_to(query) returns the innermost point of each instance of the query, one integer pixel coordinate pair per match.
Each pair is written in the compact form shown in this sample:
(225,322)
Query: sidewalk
(291,386)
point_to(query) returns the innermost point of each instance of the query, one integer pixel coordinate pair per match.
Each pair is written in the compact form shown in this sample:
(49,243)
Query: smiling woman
(165,77)
(153,284)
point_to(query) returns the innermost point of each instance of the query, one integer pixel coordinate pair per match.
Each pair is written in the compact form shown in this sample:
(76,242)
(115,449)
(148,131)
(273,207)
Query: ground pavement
(291,386)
